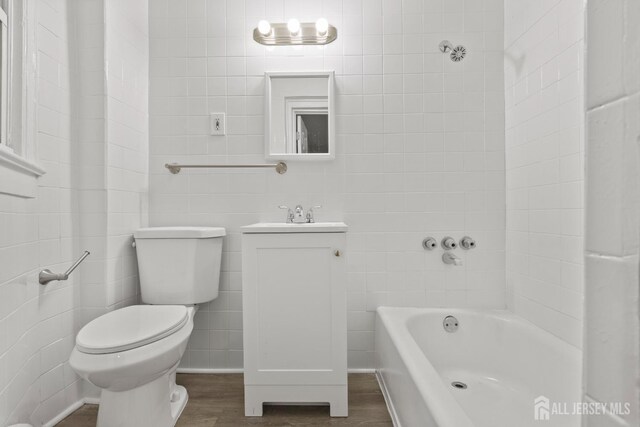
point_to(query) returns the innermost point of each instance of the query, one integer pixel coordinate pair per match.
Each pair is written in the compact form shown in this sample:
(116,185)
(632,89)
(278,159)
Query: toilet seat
(130,327)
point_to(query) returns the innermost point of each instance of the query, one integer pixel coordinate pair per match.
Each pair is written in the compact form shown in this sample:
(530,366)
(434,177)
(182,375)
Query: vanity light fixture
(295,33)
(293,26)
(322,26)
(264,27)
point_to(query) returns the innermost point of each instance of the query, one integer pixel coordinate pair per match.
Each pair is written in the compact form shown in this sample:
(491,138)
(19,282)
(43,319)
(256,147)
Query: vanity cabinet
(294,313)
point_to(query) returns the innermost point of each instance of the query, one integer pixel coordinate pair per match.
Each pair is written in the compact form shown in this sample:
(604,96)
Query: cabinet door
(294,305)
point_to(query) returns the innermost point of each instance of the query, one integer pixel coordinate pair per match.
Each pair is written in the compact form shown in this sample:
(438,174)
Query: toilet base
(155,404)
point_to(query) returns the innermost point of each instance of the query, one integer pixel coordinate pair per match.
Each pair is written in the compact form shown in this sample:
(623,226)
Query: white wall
(127,136)
(544,163)
(80,203)
(37,323)
(612,329)
(113,57)
(420,149)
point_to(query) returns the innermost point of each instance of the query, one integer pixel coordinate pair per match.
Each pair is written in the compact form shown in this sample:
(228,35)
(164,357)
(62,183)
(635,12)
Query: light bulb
(322,26)
(294,26)
(264,27)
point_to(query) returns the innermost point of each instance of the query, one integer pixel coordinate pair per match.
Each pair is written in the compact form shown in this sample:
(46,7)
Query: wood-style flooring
(218,400)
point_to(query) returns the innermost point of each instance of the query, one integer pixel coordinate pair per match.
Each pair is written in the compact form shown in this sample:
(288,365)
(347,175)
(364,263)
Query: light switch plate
(218,124)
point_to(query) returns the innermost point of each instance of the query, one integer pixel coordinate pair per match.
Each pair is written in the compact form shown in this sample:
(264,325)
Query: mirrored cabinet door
(299,116)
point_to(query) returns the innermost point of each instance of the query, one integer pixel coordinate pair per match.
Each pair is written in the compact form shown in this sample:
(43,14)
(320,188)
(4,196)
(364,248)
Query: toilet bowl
(132,353)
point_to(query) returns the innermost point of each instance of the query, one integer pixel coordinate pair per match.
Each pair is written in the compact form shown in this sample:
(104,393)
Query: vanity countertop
(282,227)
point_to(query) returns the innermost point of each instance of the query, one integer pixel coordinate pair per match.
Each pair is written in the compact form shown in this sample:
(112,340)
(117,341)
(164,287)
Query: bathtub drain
(459,385)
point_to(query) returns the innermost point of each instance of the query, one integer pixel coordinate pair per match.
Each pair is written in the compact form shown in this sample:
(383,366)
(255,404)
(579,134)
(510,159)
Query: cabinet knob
(337,253)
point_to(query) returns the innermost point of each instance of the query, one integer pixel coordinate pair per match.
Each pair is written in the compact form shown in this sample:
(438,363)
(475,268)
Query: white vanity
(295,318)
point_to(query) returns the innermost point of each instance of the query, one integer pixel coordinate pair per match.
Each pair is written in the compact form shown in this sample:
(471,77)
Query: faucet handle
(289,212)
(448,243)
(310,218)
(467,243)
(429,243)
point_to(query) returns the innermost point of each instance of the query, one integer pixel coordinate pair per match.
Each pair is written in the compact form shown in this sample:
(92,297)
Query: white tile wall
(420,148)
(37,323)
(88,127)
(612,339)
(127,141)
(113,57)
(544,163)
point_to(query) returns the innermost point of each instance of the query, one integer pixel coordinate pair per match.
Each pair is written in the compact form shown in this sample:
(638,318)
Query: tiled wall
(113,61)
(87,128)
(420,149)
(544,163)
(37,323)
(612,338)
(127,137)
(113,57)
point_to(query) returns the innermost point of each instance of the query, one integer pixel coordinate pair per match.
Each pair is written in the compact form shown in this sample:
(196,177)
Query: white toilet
(132,353)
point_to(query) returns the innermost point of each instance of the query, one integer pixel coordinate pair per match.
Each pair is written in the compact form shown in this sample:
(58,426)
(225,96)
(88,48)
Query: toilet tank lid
(179,232)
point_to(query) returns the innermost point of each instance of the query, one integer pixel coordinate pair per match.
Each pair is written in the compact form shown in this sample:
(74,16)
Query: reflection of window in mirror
(312,132)
(307,122)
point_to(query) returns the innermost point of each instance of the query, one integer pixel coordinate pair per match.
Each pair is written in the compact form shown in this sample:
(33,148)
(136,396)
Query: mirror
(299,116)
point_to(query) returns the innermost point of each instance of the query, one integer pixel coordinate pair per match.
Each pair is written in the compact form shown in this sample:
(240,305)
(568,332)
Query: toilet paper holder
(47,275)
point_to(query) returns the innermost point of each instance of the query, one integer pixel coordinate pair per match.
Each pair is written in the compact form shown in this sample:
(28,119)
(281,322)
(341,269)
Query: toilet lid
(130,327)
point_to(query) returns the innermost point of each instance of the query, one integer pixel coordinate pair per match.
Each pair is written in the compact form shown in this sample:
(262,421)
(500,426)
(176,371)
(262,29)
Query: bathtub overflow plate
(450,324)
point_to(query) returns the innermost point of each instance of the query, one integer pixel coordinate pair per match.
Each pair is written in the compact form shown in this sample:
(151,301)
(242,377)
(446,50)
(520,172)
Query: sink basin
(282,227)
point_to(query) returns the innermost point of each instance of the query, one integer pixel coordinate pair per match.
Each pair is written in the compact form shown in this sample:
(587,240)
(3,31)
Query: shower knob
(429,243)
(467,243)
(449,243)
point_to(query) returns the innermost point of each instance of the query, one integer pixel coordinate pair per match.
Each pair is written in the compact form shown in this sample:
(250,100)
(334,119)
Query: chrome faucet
(289,213)
(451,258)
(310,218)
(298,215)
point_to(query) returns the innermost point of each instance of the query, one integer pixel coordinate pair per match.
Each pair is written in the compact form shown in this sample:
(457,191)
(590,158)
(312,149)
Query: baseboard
(240,371)
(387,398)
(209,371)
(361,371)
(69,410)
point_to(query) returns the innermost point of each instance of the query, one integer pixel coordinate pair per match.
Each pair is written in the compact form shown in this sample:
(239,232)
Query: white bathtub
(505,361)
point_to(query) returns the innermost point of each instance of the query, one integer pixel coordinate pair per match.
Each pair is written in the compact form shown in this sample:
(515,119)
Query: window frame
(19,171)
(4,75)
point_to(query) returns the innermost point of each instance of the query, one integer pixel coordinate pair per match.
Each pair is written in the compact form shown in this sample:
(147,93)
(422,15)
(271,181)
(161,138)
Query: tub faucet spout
(450,258)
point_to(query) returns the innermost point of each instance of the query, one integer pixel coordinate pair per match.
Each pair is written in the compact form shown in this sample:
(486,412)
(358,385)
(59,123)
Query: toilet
(132,353)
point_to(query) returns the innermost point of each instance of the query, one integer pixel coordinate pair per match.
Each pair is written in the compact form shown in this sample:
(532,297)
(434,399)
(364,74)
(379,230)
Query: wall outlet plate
(218,124)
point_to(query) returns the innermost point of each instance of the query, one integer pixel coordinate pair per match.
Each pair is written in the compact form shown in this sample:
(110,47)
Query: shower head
(445,45)
(457,52)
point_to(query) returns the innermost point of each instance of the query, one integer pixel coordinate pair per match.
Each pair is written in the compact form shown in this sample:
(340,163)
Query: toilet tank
(179,265)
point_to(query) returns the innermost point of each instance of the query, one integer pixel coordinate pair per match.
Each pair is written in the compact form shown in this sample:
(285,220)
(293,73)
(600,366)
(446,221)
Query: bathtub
(504,361)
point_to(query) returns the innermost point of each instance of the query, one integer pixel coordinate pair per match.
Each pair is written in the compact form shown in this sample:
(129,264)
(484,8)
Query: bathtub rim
(445,409)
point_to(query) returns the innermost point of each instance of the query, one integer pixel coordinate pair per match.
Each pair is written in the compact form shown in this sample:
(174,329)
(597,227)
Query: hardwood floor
(217,400)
